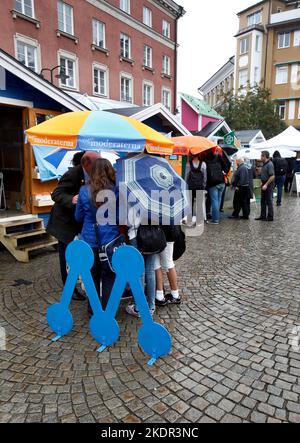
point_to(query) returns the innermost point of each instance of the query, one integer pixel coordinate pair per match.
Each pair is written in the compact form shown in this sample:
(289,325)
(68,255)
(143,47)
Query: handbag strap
(96,229)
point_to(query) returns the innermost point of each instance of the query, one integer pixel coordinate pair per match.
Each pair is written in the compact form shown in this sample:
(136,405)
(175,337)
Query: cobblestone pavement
(234,358)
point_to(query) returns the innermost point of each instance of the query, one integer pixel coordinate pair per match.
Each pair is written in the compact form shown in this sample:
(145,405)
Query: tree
(253,110)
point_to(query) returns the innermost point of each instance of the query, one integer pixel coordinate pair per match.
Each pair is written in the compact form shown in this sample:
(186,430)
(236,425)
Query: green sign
(229,138)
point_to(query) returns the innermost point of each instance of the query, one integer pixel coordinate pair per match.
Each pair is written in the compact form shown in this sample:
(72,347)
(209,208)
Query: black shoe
(161,303)
(78,296)
(260,219)
(234,217)
(270,219)
(245,218)
(278,204)
(172,300)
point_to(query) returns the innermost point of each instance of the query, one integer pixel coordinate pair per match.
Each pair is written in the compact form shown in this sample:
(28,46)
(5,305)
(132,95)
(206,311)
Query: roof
(143,113)
(247,136)
(200,106)
(230,62)
(16,68)
(261,3)
(208,129)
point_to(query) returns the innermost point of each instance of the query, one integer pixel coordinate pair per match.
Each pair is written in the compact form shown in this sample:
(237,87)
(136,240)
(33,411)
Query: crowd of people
(74,215)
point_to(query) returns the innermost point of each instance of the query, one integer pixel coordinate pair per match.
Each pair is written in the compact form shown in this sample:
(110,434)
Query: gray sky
(206,38)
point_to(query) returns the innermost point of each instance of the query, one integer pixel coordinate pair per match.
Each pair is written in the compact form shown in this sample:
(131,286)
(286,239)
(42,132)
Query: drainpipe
(267,42)
(179,15)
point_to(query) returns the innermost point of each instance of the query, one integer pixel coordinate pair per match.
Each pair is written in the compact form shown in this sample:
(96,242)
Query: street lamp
(62,76)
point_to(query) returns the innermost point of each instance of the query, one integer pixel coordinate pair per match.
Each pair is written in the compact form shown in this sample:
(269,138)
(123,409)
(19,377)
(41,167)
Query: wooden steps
(22,235)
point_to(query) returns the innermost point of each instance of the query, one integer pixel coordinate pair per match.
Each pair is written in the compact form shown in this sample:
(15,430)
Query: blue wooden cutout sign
(129,267)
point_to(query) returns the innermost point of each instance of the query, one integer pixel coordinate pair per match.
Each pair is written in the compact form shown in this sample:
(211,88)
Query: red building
(124,50)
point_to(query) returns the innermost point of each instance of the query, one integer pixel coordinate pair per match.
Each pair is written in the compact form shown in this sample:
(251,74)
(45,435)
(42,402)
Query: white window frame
(96,25)
(151,85)
(29,42)
(285,44)
(73,58)
(170,97)
(122,47)
(243,84)
(166,29)
(280,107)
(148,65)
(147,16)
(65,6)
(280,70)
(255,18)
(244,45)
(129,77)
(22,11)
(104,69)
(125,6)
(166,65)
(296,38)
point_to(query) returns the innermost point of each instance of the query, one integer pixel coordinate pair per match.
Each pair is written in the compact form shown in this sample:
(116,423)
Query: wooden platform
(23,234)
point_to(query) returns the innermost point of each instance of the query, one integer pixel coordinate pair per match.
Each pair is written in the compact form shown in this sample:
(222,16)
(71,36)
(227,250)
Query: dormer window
(255,18)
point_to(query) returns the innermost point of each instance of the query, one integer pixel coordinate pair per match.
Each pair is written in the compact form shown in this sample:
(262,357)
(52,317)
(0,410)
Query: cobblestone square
(236,338)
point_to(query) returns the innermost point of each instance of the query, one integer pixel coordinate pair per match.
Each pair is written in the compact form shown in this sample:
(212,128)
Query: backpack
(151,240)
(215,174)
(195,179)
(281,167)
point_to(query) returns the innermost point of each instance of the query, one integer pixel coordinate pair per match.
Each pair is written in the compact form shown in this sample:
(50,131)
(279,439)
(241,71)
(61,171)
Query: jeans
(279,183)
(267,203)
(150,280)
(108,279)
(215,194)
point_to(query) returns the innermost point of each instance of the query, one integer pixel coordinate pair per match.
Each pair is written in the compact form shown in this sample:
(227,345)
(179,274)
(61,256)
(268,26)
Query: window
(98,34)
(282,110)
(147,17)
(126,89)
(68,67)
(100,80)
(147,56)
(65,18)
(27,55)
(297,38)
(26,7)
(244,46)
(147,94)
(166,98)
(125,42)
(243,78)
(166,65)
(284,40)
(166,29)
(254,19)
(258,43)
(125,6)
(282,75)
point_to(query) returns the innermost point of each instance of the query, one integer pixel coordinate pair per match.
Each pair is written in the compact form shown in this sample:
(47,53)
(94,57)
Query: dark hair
(266,154)
(77,158)
(276,154)
(103,176)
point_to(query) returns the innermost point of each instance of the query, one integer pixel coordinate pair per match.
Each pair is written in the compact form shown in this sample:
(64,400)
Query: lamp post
(61,75)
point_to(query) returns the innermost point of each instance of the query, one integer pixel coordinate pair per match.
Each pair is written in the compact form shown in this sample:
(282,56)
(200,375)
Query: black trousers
(241,201)
(62,260)
(267,208)
(102,273)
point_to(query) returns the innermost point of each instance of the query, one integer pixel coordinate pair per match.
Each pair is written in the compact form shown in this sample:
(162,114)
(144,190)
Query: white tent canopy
(288,139)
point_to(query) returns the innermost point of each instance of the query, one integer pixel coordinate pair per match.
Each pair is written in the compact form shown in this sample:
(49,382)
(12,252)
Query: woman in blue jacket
(102,178)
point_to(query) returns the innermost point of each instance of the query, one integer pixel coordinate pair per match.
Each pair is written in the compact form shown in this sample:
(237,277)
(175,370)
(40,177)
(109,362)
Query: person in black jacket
(216,168)
(281,170)
(241,185)
(62,224)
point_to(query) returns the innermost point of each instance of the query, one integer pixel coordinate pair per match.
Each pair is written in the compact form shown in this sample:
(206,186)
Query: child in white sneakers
(164,261)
